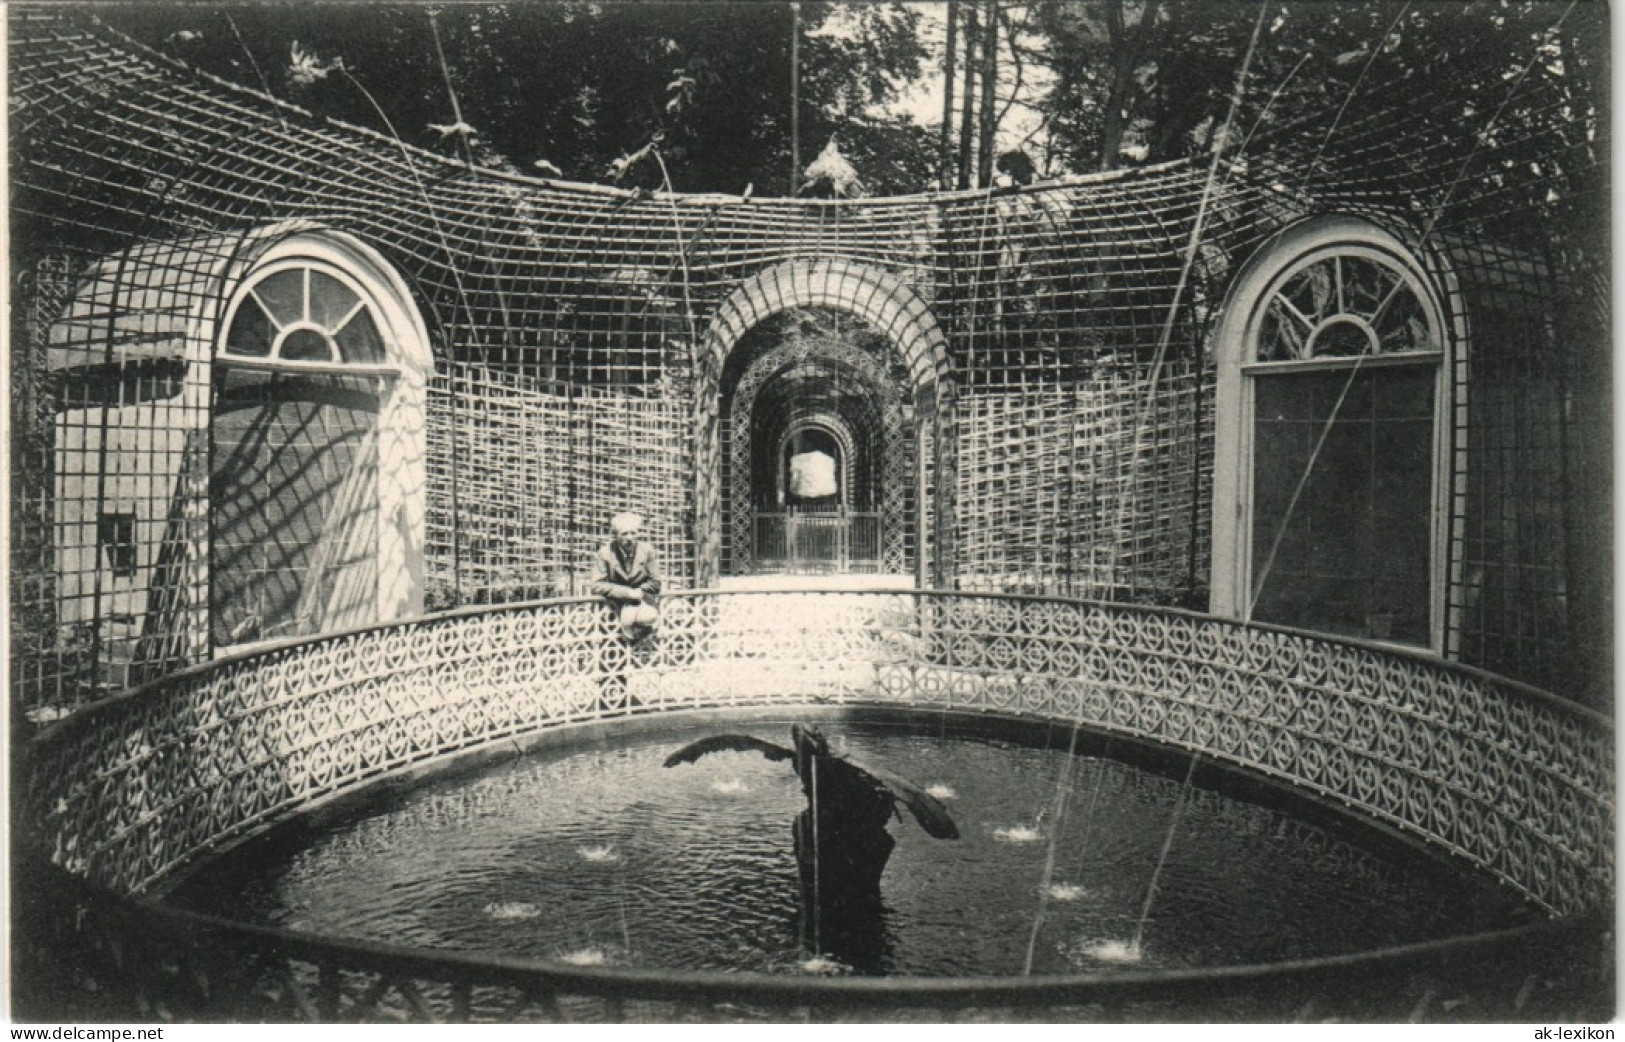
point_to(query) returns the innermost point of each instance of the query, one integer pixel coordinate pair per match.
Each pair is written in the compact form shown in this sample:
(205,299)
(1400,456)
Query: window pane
(307,345)
(1350,306)
(116,533)
(292,547)
(283,295)
(251,331)
(1368,286)
(359,340)
(331,301)
(1402,325)
(1342,510)
(1341,339)
(1281,335)
(1313,291)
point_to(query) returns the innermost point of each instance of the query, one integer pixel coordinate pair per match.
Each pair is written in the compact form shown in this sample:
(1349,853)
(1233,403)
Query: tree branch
(1015,60)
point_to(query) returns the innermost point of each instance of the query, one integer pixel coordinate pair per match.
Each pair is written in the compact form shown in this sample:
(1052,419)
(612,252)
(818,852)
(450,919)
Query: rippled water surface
(600,856)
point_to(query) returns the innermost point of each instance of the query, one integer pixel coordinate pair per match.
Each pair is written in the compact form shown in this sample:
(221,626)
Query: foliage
(697,95)
(1148,80)
(571,87)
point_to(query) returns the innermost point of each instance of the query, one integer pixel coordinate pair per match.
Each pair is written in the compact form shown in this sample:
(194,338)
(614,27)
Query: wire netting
(1050,352)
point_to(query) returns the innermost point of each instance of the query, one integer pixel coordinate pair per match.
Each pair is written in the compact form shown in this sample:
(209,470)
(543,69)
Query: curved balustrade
(1514,781)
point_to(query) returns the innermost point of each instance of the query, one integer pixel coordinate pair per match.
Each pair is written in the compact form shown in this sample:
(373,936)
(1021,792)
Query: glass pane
(116,534)
(1313,291)
(1281,335)
(251,330)
(1341,339)
(1342,501)
(283,295)
(331,301)
(1367,286)
(359,340)
(1402,327)
(1323,298)
(290,551)
(307,345)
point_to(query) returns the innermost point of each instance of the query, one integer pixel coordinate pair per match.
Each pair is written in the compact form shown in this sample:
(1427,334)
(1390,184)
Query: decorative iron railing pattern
(1517,783)
(162,964)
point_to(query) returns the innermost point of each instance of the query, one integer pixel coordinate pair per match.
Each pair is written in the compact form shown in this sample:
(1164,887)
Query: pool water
(598,855)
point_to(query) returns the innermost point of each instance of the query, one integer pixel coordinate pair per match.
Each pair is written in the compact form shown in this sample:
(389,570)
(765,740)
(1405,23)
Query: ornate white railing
(1515,781)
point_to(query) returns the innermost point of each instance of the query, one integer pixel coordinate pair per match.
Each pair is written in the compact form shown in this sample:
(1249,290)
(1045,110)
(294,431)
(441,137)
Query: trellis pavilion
(1296,459)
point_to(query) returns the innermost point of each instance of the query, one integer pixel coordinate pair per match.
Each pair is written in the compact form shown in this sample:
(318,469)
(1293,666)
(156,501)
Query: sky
(923,99)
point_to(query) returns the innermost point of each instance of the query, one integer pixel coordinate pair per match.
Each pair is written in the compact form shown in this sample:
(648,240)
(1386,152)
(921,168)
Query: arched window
(305,310)
(315,445)
(1331,474)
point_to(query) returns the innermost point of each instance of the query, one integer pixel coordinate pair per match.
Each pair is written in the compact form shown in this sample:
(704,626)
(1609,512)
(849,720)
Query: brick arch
(892,308)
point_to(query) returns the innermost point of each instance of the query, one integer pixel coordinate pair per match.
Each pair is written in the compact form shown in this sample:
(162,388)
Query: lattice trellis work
(110,482)
(593,325)
(895,446)
(521,472)
(1094,490)
(1537,503)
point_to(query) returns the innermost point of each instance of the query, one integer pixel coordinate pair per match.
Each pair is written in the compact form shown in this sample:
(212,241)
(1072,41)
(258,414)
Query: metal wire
(566,323)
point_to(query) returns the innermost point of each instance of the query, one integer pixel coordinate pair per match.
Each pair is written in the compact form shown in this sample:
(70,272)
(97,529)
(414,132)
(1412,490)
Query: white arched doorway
(812,526)
(316,446)
(814,469)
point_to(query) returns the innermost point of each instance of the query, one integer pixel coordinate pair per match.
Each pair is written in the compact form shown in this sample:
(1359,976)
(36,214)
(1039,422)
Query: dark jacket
(617,582)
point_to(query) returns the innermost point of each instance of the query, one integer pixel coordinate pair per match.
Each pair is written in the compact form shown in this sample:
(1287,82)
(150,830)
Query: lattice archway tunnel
(878,461)
(896,311)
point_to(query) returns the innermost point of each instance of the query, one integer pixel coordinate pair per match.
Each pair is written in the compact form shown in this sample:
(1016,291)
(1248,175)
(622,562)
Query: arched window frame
(308,264)
(1236,337)
(403,378)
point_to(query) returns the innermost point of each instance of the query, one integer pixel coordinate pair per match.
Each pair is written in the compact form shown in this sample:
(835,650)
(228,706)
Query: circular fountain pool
(1093,860)
(465,818)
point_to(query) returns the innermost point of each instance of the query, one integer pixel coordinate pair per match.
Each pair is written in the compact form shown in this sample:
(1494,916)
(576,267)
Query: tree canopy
(1142,81)
(579,90)
(698,95)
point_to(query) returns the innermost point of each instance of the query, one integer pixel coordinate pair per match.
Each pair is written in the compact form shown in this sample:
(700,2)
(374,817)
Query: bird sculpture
(831,176)
(841,841)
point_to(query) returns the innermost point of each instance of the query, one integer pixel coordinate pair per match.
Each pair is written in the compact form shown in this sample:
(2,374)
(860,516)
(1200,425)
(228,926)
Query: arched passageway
(818,374)
(820,450)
